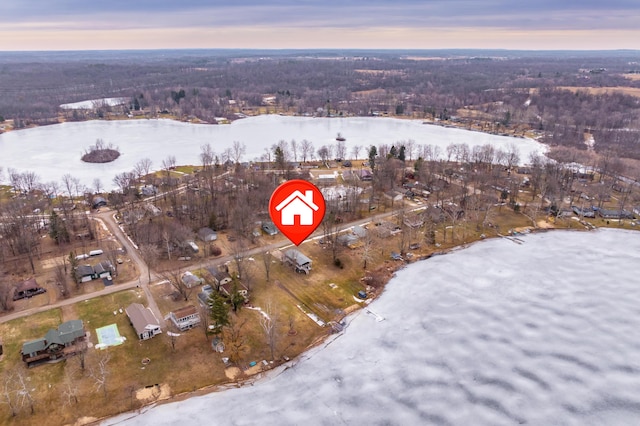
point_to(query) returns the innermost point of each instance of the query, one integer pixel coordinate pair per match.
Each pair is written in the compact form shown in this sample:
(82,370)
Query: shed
(143,321)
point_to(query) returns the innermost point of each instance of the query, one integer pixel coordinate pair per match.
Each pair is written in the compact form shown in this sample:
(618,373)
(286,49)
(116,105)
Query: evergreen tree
(402,153)
(237,299)
(219,313)
(373,153)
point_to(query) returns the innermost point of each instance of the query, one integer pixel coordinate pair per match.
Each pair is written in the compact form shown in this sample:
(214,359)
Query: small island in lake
(101,153)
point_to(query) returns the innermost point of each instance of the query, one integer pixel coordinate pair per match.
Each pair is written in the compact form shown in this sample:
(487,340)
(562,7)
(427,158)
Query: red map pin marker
(297,209)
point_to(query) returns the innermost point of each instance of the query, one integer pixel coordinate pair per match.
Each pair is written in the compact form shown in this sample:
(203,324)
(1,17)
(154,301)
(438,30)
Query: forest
(559,95)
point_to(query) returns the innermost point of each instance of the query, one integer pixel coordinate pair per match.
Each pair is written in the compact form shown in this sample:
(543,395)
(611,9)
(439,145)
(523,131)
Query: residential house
(614,214)
(84,273)
(297,204)
(185,318)
(56,344)
(143,321)
(297,260)
(220,277)
(207,235)
(103,269)
(190,280)
(27,288)
(583,212)
(227,289)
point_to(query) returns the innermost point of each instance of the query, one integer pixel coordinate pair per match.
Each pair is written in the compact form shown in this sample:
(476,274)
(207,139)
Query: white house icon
(297,204)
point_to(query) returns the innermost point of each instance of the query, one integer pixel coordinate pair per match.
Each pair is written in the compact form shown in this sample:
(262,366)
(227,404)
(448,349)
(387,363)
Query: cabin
(56,344)
(27,288)
(143,321)
(185,318)
(298,261)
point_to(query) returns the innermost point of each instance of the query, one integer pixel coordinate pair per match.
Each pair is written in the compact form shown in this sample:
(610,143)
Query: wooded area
(543,91)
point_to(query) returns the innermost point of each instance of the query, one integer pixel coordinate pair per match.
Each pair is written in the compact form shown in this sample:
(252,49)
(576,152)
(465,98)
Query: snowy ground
(92,103)
(52,151)
(543,333)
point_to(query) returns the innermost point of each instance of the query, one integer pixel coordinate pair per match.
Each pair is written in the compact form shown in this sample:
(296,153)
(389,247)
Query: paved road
(143,281)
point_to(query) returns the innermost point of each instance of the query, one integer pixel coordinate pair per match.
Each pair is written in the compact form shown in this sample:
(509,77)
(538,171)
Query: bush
(216,251)
(337,262)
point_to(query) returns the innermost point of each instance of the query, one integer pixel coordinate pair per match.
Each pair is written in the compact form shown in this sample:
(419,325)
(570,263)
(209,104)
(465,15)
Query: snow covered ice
(546,332)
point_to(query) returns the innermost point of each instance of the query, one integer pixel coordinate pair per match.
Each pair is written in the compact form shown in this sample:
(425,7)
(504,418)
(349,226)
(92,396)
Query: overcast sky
(406,24)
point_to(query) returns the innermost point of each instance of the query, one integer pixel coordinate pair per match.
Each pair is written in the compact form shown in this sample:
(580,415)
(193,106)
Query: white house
(185,318)
(299,205)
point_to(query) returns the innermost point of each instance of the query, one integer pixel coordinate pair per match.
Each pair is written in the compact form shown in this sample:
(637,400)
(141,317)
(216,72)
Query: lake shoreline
(320,341)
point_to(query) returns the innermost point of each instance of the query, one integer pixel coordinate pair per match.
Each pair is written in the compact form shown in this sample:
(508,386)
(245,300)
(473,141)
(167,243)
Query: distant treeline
(510,90)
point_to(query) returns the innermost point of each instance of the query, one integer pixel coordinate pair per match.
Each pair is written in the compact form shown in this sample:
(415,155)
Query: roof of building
(29,284)
(141,318)
(185,311)
(296,255)
(67,332)
(84,270)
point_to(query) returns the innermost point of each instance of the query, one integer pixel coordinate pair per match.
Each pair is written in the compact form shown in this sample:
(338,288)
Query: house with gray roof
(56,344)
(143,321)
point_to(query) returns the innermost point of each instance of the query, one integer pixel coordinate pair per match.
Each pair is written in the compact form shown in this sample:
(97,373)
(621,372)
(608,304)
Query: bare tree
(294,149)
(266,261)
(175,279)
(207,156)
(268,322)
(62,278)
(97,185)
(23,390)
(355,151)
(341,150)
(205,320)
(70,388)
(150,254)
(239,149)
(8,391)
(236,341)
(99,371)
(306,149)
(142,167)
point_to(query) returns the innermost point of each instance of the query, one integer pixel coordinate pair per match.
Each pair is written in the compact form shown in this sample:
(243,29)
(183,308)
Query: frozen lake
(543,333)
(52,151)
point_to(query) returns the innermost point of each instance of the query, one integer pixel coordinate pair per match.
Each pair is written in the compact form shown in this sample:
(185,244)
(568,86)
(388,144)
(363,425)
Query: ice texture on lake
(52,151)
(543,333)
